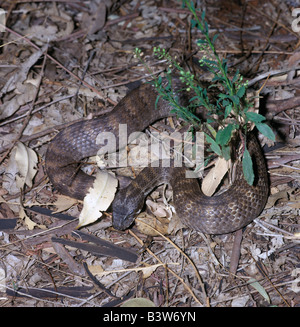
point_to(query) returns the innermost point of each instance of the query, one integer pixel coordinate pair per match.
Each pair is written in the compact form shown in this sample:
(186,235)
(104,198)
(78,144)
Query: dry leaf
(273,198)
(63,203)
(47,33)
(214,177)
(147,271)
(26,160)
(99,198)
(16,80)
(159,209)
(96,270)
(30,224)
(175,225)
(138,302)
(11,170)
(24,94)
(160,224)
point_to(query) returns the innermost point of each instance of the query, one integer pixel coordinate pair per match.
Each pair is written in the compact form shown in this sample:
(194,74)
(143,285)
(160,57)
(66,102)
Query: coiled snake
(227,212)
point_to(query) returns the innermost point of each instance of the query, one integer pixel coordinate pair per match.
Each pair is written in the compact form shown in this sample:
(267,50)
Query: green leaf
(224,135)
(236,76)
(156,101)
(193,99)
(200,41)
(191,3)
(227,111)
(235,99)
(248,167)
(223,96)
(226,152)
(225,67)
(214,146)
(209,62)
(206,29)
(240,93)
(215,37)
(212,130)
(194,23)
(225,103)
(254,117)
(210,120)
(255,284)
(215,79)
(266,130)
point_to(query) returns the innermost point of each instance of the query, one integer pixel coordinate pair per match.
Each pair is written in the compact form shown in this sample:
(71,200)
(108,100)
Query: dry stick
(36,110)
(55,61)
(266,45)
(38,234)
(28,116)
(269,280)
(236,251)
(272,73)
(250,51)
(261,12)
(187,257)
(85,70)
(135,10)
(131,81)
(169,269)
(120,19)
(71,275)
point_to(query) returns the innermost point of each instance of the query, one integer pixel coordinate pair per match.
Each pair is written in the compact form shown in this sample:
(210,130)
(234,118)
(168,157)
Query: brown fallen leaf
(160,224)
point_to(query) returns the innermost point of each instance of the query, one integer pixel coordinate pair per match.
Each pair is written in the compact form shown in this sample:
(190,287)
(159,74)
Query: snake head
(125,209)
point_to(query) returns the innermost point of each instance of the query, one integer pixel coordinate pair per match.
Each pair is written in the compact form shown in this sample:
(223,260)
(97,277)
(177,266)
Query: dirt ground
(64,61)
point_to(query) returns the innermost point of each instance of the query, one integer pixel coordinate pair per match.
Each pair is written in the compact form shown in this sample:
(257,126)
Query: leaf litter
(267,270)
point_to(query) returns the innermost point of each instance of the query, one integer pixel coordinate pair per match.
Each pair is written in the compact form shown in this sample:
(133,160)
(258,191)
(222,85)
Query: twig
(55,61)
(169,269)
(271,73)
(121,19)
(85,70)
(28,116)
(269,280)
(236,251)
(261,12)
(36,110)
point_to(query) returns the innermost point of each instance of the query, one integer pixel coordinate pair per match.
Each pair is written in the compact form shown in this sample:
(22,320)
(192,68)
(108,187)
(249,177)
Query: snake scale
(220,214)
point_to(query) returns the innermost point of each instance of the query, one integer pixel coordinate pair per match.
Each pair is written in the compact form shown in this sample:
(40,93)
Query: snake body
(224,213)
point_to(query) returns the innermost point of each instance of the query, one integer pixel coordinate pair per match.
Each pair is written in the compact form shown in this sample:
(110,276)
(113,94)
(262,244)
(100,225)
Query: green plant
(230,109)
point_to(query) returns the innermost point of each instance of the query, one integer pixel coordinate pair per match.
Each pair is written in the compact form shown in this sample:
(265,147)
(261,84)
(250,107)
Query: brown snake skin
(224,213)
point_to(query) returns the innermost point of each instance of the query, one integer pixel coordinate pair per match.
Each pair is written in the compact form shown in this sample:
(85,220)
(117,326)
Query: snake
(224,213)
